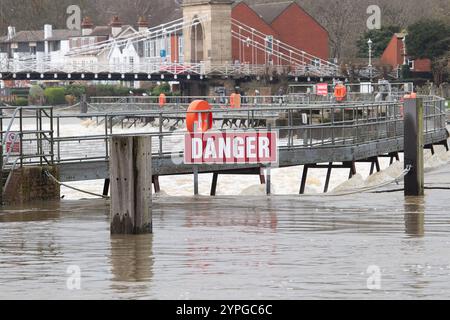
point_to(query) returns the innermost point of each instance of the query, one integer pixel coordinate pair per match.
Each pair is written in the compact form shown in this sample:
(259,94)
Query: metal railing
(327,125)
(300,126)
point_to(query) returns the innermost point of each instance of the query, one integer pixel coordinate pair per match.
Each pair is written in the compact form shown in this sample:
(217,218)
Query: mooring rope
(73,188)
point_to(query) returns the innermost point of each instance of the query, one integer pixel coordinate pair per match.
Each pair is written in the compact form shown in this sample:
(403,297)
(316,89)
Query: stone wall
(30,184)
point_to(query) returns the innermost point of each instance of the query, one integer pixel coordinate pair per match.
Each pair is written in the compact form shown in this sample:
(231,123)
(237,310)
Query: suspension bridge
(260,55)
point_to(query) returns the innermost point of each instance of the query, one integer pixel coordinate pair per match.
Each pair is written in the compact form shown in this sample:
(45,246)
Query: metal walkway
(309,134)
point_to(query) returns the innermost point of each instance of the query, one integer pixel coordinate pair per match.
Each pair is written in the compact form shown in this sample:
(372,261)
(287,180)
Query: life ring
(340,92)
(202,121)
(162,100)
(235,101)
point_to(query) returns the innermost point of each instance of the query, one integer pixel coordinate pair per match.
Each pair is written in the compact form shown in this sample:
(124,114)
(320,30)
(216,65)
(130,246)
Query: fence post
(413,147)
(131,185)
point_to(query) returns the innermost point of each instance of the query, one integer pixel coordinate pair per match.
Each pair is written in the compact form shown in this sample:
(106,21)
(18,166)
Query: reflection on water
(131,261)
(233,247)
(415,216)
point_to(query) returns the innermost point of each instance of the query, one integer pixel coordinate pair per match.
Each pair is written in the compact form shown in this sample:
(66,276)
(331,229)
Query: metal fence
(299,126)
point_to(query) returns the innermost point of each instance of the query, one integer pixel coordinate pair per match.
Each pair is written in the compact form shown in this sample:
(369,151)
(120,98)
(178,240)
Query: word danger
(222,148)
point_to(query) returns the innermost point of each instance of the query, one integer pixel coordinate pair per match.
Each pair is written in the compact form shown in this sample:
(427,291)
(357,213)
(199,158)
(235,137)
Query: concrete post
(414,143)
(131,185)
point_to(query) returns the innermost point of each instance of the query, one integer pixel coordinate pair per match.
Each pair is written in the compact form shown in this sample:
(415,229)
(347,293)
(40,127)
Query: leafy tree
(428,39)
(380,40)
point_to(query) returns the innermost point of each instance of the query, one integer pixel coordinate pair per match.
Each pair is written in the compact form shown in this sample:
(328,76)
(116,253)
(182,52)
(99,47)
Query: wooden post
(131,185)
(268,181)
(414,143)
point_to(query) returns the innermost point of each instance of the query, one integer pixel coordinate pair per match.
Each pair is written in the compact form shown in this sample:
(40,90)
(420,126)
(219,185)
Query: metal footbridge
(310,134)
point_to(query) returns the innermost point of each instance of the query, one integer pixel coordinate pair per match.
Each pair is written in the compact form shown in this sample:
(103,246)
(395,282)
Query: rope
(73,188)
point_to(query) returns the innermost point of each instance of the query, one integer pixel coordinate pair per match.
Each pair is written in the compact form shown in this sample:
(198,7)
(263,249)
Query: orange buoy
(235,101)
(162,100)
(340,92)
(199,121)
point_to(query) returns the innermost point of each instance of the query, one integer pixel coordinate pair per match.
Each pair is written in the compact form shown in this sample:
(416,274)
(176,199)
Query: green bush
(36,95)
(107,91)
(20,102)
(163,88)
(55,95)
(75,90)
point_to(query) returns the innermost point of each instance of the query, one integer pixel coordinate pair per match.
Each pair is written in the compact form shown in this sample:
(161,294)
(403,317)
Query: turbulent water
(239,245)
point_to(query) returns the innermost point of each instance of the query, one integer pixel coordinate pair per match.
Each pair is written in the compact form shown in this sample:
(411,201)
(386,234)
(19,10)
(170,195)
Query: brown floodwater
(234,247)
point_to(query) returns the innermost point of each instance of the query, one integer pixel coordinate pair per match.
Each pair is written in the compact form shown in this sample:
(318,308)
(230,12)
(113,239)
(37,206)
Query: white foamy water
(285,181)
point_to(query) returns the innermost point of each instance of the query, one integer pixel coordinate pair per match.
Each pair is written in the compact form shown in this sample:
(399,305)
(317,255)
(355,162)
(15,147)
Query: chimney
(11,32)
(87,26)
(48,31)
(143,24)
(116,26)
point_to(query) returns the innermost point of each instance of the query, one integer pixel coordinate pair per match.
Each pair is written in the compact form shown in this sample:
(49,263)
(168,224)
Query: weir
(334,136)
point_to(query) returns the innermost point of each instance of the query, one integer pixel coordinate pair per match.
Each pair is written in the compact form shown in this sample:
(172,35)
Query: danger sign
(322,89)
(231,147)
(12,142)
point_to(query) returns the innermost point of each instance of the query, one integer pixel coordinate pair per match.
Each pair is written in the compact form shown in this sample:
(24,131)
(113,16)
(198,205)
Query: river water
(239,245)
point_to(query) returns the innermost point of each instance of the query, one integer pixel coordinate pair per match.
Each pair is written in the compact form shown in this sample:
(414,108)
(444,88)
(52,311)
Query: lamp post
(370,42)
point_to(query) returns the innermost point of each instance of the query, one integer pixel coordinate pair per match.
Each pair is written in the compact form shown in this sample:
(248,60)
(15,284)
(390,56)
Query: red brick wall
(393,54)
(422,65)
(298,29)
(243,13)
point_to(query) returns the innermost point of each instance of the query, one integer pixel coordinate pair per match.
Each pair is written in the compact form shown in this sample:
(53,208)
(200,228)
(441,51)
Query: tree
(428,39)
(380,38)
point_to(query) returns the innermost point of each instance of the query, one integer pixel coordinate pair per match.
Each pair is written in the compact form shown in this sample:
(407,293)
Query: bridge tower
(208,41)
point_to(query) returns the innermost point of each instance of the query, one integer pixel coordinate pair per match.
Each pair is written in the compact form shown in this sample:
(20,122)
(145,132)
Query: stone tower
(210,40)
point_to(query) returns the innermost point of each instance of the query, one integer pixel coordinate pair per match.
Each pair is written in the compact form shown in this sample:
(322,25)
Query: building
(285,21)
(395,55)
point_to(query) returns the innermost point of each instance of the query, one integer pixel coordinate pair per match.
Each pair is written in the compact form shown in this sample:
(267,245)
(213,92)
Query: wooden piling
(414,143)
(131,185)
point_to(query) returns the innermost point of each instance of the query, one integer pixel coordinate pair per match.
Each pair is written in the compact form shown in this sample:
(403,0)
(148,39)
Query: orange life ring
(340,92)
(235,101)
(162,100)
(202,121)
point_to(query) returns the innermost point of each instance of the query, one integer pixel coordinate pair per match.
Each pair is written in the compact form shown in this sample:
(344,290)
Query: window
(411,64)
(147,49)
(316,62)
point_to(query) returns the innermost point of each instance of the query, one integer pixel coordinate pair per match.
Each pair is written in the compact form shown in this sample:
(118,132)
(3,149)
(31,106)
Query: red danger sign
(231,147)
(322,89)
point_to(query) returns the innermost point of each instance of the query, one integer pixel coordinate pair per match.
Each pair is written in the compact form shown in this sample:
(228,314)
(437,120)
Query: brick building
(395,55)
(285,21)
